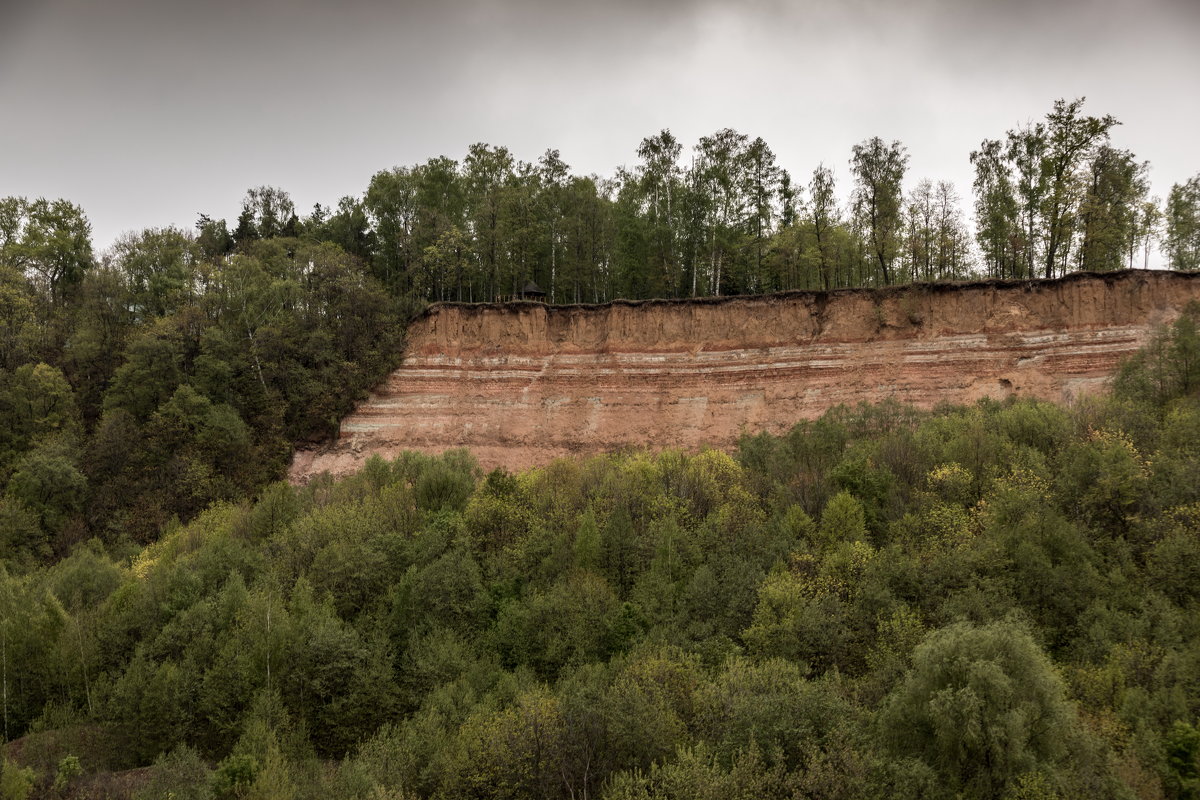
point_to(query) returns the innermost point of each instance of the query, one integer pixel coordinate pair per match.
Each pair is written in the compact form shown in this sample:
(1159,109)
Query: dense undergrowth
(988,601)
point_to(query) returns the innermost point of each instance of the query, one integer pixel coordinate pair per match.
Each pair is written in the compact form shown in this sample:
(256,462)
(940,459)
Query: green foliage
(879,170)
(278,340)
(1105,478)
(160,267)
(48,482)
(68,770)
(17,318)
(180,774)
(767,707)
(1052,183)
(39,404)
(273,780)
(23,541)
(16,783)
(982,707)
(1183,761)
(513,752)
(842,520)
(697,773)
(48,240)
(990,601)
(1168,367)
(234,777)
(1111,210)
(447,483)
(1183,225)
(652,625)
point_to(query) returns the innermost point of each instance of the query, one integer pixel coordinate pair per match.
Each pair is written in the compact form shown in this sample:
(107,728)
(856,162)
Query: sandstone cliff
(523,383)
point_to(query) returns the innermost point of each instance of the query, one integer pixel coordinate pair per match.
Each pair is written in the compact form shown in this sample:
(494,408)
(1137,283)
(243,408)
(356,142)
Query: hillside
(989,601)
(523,383)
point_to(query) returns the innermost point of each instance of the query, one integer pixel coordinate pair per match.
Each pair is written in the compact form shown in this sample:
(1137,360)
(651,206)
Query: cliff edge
(523,383)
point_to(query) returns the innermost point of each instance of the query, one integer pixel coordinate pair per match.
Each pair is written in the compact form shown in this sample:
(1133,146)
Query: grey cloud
(147,111)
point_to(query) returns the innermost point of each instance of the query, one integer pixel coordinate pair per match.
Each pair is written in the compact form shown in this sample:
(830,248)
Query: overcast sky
(148,112)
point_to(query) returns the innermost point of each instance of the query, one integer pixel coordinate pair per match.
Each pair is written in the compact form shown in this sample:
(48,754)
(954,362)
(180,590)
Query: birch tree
(996,226)
(1027,154)
(720,165)
(878,170)
(1182,220)
(823,216)
(1116,190)
(659,178)
(1071,140)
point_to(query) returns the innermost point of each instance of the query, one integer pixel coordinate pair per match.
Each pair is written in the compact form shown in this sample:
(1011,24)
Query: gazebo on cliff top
(532,292)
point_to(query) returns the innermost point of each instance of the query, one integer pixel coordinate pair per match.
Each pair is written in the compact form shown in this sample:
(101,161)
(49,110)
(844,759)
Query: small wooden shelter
(532,292)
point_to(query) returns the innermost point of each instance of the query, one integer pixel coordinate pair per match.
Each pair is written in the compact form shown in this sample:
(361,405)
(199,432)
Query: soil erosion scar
(523,383)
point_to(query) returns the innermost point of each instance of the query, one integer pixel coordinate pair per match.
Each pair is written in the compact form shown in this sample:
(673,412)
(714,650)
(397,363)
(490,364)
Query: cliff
(523,383)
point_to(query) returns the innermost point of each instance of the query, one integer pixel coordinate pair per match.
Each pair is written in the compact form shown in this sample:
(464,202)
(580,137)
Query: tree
(1183,760)
(1071,140)
(1027,154)
(213,238)
(553,173)
(981,706)
(878,171)
(1110,210)
(448,265)
(1149,227)
(391,202)
(23,541)
(843,520)
(823,215)
(154,364)
(349,227)
(1168,367)
(515,752)
(1183,225)
(1030,190)
(37,406)
(997,231)
(652,211)
(766,704)
(47,481)
(16,783)
(723,191)
(919,232)
(952,252)
(267,212)
(102,321)
(159,265)
(486,171)
(765,182)
(16,316)
(50,241)
(586,240)
(521,229)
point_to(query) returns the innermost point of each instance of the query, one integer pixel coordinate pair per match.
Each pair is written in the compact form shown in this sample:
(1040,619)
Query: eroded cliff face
(524,383)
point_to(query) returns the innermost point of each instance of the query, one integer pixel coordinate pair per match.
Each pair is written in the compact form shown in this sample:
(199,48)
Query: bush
(16,783)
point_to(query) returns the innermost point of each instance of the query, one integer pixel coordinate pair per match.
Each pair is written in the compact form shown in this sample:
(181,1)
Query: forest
(1049,197)
(975,602)
(990,601)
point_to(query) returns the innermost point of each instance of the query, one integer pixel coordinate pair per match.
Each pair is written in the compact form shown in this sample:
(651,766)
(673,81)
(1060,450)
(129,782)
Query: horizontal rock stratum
(520,384)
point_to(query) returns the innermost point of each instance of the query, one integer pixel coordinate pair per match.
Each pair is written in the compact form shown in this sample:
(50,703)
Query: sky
(149,112)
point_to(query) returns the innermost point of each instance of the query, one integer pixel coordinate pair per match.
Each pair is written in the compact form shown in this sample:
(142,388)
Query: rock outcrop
(523,383)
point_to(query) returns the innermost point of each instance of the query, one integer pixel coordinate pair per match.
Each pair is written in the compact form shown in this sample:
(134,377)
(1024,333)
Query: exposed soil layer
(523,383)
